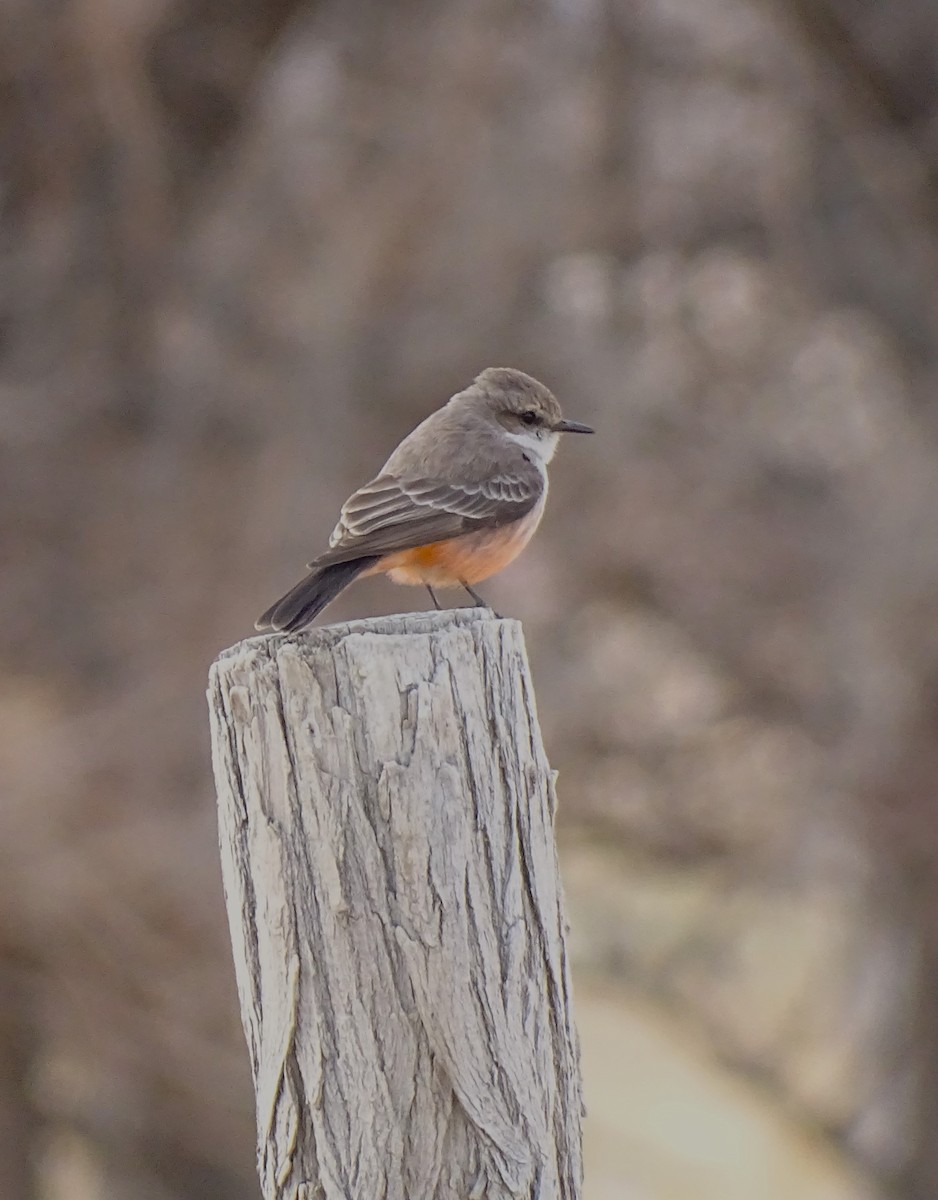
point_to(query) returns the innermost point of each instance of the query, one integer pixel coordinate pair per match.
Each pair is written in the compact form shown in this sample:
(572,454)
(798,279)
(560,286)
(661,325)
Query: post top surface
(395,625)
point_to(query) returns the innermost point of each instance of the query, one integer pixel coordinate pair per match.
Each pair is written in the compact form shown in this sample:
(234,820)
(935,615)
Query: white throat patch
(540,449)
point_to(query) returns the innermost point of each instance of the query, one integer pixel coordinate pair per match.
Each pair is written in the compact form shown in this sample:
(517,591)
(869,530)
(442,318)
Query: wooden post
(386,828)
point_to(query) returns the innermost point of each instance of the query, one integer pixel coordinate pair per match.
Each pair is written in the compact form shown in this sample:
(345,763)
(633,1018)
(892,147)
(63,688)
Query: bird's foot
(479,602)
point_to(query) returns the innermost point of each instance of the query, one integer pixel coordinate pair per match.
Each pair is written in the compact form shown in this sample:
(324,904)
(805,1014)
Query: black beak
(572,427)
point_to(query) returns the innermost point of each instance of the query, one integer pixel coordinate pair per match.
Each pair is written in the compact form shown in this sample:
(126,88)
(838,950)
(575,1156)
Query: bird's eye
(529,418)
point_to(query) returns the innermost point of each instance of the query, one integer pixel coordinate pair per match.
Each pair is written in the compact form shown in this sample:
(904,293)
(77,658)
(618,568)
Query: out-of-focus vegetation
(244,248)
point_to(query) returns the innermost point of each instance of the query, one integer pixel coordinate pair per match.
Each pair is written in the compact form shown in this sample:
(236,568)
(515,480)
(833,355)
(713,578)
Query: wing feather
(390,514)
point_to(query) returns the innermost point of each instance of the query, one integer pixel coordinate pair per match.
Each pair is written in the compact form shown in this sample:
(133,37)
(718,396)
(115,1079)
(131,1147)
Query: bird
(457,501)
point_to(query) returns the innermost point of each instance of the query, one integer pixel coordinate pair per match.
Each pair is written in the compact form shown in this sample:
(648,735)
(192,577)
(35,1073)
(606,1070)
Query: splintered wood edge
(327,637)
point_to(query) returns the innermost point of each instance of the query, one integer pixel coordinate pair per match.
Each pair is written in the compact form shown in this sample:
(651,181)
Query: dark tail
(303,603)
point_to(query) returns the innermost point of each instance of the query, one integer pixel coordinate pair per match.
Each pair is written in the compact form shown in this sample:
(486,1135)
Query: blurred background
(244,247)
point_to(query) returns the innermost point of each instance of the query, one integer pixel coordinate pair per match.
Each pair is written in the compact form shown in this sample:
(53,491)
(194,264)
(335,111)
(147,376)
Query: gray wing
(391,514)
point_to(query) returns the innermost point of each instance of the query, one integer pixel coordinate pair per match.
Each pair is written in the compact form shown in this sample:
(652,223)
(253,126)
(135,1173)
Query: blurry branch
(20,1125)
(119,114)
(868,92)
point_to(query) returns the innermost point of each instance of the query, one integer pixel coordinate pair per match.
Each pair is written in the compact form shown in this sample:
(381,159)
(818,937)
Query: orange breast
(467,559)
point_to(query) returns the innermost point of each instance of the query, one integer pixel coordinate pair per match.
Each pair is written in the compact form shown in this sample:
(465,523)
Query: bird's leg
(436,603)
(480,603)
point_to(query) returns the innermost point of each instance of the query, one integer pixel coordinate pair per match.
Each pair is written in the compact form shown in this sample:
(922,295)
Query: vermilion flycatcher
(458,499)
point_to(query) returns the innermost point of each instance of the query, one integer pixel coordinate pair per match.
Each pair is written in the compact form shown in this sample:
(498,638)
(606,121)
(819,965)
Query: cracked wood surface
(386,832)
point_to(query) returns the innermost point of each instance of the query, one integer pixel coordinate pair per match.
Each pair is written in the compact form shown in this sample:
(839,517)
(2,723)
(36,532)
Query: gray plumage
(478,463)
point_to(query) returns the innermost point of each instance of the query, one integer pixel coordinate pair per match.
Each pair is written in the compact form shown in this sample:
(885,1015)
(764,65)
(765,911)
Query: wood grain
(386,832)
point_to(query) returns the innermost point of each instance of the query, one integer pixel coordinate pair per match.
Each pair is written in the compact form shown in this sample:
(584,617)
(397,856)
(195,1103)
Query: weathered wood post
(386,828)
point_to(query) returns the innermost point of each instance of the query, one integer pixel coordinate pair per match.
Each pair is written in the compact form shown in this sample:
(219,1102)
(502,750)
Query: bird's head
(527,411)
